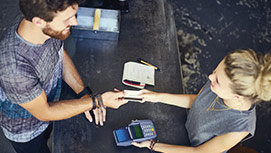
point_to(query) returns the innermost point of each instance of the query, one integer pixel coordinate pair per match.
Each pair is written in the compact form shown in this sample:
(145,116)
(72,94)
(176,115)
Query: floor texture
(207,30)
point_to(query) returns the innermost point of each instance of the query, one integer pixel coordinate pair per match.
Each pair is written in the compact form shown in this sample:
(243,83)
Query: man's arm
(73,79)
(42,110)
(70,74)
(217,144)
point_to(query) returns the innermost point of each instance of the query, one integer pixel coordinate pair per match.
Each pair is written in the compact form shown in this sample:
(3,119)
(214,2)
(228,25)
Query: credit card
(133,95)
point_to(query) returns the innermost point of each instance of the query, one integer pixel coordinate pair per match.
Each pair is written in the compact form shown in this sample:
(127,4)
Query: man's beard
(55,34)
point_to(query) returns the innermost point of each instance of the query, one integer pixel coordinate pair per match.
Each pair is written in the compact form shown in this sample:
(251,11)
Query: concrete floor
(207,30)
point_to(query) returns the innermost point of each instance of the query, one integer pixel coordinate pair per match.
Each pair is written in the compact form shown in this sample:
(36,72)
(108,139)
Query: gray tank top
(203,125)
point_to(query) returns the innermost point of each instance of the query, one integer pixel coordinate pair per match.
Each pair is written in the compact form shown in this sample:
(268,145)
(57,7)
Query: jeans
(37,145)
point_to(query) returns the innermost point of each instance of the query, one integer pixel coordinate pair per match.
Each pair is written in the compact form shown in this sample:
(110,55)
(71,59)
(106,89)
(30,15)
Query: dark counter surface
(148,32)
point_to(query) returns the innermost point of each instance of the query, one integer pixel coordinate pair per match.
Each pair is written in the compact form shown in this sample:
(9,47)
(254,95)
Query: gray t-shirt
(25,70)
(203,125)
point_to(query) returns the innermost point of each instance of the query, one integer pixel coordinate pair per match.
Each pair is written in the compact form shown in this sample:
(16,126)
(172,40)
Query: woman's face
(220,82)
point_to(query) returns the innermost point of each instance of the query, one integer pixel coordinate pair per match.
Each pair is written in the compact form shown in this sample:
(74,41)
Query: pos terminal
(137,131)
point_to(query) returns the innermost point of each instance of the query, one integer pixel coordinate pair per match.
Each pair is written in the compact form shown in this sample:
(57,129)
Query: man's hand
(100,115)
(113,99)
(88,116)
(110,99)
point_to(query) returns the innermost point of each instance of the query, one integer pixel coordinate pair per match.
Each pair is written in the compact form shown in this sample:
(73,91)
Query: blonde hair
(250,73)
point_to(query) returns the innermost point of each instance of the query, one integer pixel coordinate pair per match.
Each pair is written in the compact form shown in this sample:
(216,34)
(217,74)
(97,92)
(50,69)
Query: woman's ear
(38,22)
(239,97)
(236,97)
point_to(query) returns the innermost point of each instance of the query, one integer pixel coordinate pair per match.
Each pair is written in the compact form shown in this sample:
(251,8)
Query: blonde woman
(223,113)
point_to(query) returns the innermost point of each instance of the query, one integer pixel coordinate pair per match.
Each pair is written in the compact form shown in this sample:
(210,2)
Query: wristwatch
(86,90)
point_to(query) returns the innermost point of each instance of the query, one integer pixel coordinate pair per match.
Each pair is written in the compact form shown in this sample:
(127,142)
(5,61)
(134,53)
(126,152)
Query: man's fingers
(104,113)
(97,116)
(119,102)
(88,116)
(122,101)
(116,90)
(101,117)
(120,94)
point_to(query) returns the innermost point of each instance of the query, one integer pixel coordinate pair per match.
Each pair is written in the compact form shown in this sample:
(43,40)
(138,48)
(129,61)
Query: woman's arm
(180,100)
(217,144)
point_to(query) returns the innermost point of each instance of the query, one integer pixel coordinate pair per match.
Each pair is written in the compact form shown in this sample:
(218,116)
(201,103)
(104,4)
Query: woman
(223,113)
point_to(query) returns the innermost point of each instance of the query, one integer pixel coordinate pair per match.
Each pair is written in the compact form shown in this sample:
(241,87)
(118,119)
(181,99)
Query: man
(32,65)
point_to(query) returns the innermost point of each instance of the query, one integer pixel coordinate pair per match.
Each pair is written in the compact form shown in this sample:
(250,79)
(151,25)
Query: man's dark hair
(44,9)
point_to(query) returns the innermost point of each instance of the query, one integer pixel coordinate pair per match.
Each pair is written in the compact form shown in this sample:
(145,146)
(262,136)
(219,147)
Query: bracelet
(86,90)
(97,102)
(100,100)
(93,102)
(153,142)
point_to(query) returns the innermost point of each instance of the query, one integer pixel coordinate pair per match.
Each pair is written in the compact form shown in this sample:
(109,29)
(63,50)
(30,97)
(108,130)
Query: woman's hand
(142,144)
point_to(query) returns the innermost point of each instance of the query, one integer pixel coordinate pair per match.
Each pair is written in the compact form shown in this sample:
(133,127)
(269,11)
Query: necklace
(212,106)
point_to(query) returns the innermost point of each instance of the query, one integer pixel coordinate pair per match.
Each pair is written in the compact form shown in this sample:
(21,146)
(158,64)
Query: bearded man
(33,64)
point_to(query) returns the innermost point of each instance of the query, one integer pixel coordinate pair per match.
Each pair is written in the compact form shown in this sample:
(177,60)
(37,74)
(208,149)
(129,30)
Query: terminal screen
(122,135)
(136,131)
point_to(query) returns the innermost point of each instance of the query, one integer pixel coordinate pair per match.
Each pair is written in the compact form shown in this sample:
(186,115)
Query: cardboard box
(97,23)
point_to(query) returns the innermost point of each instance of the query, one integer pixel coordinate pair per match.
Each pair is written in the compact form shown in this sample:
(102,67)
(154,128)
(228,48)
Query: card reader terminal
(137,131)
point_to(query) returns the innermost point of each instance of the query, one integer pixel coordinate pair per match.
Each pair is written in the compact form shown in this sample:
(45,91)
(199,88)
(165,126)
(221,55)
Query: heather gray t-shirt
(25,70)
(203,126)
